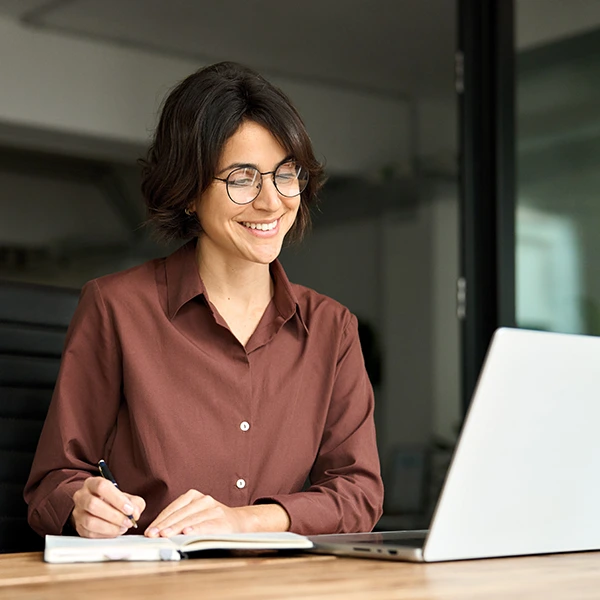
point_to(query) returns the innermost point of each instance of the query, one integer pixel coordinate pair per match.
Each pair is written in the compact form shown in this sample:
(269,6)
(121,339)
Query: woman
(213,387)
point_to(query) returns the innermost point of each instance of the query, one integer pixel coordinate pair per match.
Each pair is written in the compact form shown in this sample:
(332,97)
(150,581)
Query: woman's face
(230,229)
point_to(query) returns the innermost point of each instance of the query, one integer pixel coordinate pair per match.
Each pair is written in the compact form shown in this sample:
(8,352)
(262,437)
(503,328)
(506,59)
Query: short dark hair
(198,117)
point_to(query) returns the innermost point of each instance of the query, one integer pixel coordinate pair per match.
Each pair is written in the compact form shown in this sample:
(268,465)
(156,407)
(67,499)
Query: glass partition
(558,160)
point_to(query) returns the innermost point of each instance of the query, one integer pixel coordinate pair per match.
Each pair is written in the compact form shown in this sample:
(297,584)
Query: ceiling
(393,47)
(399,48)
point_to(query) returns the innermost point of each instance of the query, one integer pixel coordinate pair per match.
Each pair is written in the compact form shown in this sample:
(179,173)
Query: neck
(238,281)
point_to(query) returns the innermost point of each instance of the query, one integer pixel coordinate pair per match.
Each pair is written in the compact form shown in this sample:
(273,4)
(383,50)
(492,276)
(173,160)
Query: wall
(101,100)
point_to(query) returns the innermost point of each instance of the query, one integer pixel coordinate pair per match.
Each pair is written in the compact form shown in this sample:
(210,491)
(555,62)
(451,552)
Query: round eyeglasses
(244,183)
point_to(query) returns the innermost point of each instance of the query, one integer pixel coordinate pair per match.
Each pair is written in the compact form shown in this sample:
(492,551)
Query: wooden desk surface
(566,576)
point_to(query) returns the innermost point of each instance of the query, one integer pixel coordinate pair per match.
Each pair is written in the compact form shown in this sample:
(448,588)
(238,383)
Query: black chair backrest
(33,324)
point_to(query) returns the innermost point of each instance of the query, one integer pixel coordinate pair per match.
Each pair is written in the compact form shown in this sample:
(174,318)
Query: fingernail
(123,530)
(127,523)
(128,509)
(167,532)
(188,530)
(153,531)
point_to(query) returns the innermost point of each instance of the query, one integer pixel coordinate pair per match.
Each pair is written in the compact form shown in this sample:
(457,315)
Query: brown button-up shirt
(153,381)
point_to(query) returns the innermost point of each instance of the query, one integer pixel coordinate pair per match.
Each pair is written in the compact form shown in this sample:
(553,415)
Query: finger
(109,493)
(90,526)
(176,505)
(213,520)
(210,527)
(99,508)
(138,503)
(185,518)
(170,525)
(99,529)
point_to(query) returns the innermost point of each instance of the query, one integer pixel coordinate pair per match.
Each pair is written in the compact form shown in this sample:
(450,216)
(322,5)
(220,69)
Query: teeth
(261,226)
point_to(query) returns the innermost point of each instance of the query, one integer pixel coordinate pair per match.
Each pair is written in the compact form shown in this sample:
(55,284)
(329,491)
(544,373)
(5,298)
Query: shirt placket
(244,426)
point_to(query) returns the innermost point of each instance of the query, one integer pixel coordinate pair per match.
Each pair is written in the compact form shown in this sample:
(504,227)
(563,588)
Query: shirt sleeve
(81,415)
(346,491)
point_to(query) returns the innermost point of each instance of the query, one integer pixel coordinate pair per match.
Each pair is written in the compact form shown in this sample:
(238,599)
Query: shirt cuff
(51,516)
(306,512)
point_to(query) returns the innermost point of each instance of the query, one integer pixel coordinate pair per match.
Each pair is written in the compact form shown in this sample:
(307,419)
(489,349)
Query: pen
(105,472)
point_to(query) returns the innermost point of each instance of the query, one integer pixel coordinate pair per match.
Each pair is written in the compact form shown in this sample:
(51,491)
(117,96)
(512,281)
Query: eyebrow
(233,166)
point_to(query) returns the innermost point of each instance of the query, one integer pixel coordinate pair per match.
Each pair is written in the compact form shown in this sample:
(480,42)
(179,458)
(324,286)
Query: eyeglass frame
(262,174)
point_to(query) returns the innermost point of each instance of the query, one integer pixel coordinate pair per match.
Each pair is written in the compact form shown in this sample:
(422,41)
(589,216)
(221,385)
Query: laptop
(525,474)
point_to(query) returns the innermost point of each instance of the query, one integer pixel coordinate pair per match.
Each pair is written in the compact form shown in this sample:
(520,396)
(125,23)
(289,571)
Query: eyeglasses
(244,183)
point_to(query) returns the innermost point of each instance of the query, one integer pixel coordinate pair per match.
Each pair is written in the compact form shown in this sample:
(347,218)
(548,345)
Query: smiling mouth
(260,226)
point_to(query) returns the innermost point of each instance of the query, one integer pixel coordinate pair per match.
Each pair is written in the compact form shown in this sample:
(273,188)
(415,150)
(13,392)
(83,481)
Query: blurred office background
(81,82)
(558,155)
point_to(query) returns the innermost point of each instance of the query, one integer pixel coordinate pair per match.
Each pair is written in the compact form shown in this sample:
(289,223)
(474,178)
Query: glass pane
(558,155)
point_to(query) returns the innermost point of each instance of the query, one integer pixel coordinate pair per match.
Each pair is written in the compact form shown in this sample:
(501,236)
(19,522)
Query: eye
(243,177)
(285,177)
(240,181)
(287,172)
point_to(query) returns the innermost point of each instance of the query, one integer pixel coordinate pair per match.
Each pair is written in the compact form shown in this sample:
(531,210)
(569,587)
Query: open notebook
(70,549)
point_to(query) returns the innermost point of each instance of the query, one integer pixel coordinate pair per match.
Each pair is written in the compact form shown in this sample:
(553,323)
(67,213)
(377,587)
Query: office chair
(33,324)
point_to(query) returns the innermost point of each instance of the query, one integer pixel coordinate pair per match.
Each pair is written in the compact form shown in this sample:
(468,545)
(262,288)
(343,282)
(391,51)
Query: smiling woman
(212,385)
(198,119)
(253,230)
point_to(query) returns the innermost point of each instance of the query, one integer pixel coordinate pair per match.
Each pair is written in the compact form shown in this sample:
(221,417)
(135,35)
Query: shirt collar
(284,298)
(184,284)
(183,278)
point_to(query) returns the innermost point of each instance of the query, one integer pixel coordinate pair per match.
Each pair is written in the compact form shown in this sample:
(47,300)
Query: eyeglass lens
(244,184)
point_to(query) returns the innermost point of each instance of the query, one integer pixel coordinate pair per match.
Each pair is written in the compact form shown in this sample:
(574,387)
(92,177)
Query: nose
(268,198)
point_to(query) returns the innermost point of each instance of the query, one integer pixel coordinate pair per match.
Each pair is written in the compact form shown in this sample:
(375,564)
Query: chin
(266,257)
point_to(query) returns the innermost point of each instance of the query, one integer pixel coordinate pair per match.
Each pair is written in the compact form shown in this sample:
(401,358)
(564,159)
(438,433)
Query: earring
(188,212)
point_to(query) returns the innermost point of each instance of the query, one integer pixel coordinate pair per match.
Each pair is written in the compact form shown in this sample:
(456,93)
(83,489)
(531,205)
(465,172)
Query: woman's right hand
(102,511)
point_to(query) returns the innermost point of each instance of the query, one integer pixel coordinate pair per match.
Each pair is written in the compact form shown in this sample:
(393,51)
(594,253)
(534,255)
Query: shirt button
(240,483)
(244,425)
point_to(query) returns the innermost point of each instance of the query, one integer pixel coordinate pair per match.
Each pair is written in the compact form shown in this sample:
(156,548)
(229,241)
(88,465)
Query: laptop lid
(524,478)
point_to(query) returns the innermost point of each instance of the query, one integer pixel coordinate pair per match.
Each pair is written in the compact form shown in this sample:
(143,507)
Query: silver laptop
(525,475)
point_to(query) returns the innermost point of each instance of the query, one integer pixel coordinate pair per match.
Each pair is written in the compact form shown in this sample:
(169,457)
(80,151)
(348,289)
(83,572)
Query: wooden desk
(566,576)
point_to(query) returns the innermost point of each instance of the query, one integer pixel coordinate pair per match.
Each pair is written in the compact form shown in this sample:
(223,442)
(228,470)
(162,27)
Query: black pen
(105,472)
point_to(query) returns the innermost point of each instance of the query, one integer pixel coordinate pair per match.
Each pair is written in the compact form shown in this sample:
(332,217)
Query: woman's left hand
(194,512)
